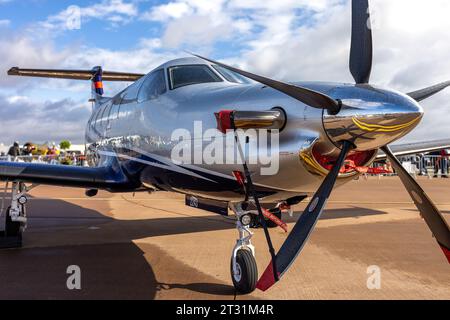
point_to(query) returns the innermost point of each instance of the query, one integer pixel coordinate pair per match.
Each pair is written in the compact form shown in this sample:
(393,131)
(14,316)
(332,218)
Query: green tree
(64,145)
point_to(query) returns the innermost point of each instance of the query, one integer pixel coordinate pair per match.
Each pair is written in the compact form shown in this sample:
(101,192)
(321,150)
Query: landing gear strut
(243,265)
(15,215)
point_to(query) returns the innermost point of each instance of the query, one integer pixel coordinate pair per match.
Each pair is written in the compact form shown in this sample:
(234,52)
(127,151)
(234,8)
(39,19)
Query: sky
(290,40)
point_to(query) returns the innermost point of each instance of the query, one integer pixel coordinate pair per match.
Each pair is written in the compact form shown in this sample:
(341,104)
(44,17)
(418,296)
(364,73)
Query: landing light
(22,200)
(246,219)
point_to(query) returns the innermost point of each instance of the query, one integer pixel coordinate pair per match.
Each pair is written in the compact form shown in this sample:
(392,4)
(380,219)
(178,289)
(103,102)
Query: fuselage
(140,132)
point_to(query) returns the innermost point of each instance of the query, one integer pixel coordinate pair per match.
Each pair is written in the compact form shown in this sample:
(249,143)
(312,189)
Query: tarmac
(152,246)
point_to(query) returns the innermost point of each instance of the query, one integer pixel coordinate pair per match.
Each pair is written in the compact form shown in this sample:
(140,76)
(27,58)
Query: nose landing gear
(244,272)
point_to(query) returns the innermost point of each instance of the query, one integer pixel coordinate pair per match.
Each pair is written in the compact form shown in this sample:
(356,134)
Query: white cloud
(173,10)
(4,23)
(23,51)
(25,119)
(25,102)
(17,99)
(117,12)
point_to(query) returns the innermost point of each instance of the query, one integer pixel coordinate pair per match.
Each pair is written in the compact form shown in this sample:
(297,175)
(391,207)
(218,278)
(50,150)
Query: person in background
(436,162)
(444,163)
(440,163)
(388,166)
(74,159)
(14,151)
(422,165)
(27,151)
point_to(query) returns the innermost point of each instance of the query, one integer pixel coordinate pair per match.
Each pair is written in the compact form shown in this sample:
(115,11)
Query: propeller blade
(428,210)
(304,226)
(361,47)
(310,97)
(423,94)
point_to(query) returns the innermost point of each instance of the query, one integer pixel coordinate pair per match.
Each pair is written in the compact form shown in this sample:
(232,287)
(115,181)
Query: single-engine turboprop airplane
(322,126)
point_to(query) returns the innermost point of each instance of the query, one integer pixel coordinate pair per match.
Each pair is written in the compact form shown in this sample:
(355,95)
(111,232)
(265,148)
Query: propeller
(361,51)
(427,208)
(361,45)
(422,94)
(310,97)
(304,226)
(360,64)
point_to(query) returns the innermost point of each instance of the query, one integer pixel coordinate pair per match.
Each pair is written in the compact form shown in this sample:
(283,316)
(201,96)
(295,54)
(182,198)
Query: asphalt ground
(151,246)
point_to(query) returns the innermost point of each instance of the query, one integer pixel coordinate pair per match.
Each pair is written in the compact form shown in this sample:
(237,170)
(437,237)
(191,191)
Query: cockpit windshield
(191,74)
(231,76)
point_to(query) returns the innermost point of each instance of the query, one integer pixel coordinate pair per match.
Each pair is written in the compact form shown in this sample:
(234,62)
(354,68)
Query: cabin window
(191,74)
(153,86)
(230,75)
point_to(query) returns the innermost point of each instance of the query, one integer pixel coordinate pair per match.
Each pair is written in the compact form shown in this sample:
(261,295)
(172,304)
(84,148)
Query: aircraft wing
(106,177)
(416,147)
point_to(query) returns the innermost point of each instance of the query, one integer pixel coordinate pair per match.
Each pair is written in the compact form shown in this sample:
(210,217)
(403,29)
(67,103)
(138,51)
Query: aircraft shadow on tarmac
(61,233)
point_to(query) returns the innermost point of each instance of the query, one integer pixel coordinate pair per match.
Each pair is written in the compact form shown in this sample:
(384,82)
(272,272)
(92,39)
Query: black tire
(12,228)
(245,282)
(277,213)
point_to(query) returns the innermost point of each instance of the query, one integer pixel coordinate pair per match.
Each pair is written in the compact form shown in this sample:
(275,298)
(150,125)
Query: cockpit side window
(153,86)
(180,76)
(132,90)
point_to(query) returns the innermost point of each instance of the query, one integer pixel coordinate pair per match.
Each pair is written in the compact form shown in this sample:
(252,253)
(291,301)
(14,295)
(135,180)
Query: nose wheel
(12,228)
(15,215)
(244,271)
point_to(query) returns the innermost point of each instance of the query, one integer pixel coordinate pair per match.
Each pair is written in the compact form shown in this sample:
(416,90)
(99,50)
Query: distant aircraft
(321,125)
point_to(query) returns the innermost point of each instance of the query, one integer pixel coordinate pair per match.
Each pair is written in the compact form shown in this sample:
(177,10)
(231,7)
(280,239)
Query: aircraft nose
(372,123)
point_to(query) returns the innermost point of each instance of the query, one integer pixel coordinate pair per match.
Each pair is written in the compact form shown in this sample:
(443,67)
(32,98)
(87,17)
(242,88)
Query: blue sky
(285,39)
(93,32)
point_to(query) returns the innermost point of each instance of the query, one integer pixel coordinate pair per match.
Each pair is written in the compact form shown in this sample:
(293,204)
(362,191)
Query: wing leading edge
(417,147)
(106,177)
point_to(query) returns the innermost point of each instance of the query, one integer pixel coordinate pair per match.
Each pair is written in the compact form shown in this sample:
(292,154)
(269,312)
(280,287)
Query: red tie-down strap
(349,165)
(275,219)
(240,178)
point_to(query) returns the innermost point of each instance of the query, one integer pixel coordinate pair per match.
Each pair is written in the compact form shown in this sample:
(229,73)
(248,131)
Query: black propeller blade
(310,97)
(304,226)
(422,94)
(361,47)
(428,210)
